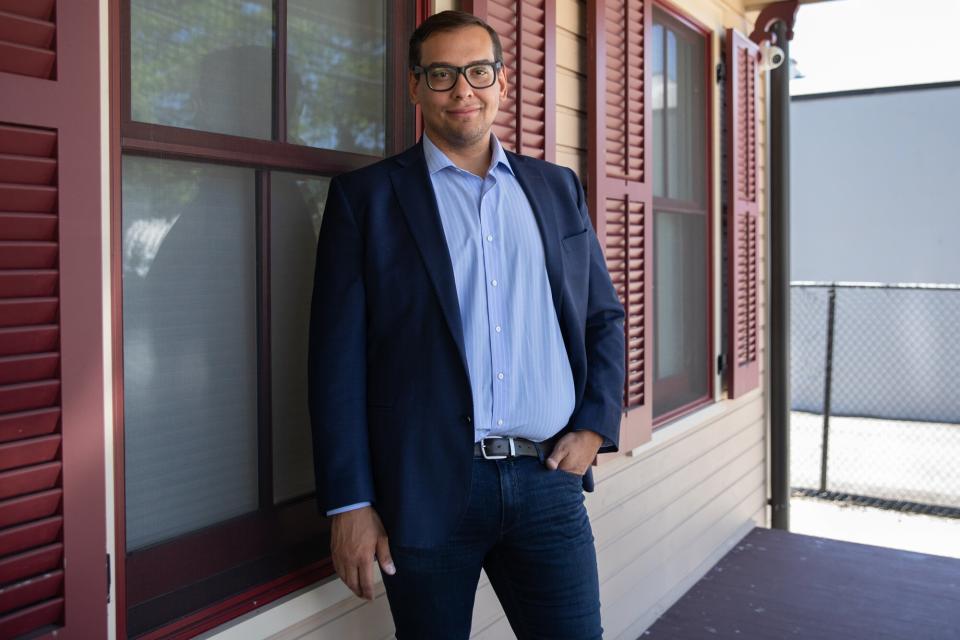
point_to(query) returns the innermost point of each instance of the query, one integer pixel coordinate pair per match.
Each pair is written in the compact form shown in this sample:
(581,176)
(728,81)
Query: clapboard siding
(701,525)
(661,516)
(571,86)
(721,546)
(652,511)
(653,465)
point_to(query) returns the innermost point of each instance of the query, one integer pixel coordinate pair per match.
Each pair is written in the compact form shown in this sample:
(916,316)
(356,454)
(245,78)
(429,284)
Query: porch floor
(776,584)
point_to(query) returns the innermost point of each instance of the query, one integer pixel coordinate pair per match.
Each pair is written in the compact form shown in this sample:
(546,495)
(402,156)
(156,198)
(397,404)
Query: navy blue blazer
(390,400)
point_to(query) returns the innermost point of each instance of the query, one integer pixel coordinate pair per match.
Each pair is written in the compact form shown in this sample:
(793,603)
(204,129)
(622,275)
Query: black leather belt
(498,448)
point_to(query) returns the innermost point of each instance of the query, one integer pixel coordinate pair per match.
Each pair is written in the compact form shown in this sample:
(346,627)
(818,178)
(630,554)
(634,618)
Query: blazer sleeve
(337,376)
(602,407)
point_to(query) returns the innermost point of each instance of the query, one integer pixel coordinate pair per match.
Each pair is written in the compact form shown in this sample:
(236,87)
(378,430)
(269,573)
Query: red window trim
(234,607)
(127,136)
(675,15)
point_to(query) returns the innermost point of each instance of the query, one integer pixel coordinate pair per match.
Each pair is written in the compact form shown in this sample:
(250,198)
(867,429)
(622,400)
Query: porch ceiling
(757,5)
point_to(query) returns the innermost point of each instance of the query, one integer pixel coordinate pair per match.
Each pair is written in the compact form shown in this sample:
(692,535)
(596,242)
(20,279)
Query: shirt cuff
(349,507)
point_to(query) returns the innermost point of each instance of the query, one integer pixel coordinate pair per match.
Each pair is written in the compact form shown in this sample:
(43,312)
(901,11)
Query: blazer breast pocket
(576,241)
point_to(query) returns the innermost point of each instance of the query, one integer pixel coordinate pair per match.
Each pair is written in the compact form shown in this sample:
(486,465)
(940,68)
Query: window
(234,117)
(649,107)
(681,248)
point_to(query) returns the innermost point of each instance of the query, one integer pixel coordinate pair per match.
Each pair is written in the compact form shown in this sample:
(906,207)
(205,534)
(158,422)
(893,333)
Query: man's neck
(474,158)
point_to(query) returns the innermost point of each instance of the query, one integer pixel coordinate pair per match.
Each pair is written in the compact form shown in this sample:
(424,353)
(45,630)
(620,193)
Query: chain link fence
(875,394)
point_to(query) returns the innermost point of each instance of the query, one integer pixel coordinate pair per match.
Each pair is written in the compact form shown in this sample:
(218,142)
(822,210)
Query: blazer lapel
(535,188)
(414,191)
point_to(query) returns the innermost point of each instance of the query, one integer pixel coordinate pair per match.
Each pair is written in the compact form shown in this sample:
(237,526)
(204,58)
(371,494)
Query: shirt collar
(438,160)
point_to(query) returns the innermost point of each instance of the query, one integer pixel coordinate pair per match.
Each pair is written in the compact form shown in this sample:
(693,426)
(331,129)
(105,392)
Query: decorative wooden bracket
(785,11)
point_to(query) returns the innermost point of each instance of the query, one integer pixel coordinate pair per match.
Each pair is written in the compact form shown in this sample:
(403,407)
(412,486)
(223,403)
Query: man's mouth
(463,111)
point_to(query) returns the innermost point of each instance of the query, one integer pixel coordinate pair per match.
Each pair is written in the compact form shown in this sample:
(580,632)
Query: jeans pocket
(571,474)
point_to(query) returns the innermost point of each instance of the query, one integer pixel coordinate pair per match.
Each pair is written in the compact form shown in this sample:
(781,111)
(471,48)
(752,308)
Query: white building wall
(873,179)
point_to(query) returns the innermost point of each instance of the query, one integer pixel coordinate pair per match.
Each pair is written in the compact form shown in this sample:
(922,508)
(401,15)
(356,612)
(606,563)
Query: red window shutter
(52,504)
(27,37)
(620,186)
(743,235)
(30,453)
(527,29)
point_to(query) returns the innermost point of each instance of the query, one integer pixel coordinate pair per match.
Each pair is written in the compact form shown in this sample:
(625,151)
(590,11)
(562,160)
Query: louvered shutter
(743,235)
(526,122)
(619,185)
(52,505)
(27,37)
(31,554)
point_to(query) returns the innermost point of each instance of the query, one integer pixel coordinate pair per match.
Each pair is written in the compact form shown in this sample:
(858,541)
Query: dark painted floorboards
(775,584)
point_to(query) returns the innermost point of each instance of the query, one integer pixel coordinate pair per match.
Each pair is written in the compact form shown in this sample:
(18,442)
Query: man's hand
(575,452)
(356,538)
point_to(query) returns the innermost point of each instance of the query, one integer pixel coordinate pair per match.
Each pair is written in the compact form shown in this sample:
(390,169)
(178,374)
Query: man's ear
(412,81)
(502,81)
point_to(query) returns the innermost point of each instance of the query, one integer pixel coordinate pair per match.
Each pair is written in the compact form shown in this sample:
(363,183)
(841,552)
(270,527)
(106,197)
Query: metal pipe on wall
(779,278)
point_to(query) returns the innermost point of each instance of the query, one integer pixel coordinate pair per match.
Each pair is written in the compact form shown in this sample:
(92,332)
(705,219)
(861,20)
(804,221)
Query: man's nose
(462,88)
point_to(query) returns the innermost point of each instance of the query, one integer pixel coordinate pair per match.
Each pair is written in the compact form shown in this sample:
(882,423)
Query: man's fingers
(351,579)
(553,462)
(383,555)
(366,580)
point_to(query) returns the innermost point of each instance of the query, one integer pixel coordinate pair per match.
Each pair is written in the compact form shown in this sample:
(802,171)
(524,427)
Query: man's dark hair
(449,21)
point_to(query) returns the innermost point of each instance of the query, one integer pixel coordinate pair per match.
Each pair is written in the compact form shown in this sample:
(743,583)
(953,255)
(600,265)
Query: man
(466,363)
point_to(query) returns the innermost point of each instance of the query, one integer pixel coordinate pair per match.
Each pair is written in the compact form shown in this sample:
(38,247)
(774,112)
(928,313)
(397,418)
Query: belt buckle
(486,456)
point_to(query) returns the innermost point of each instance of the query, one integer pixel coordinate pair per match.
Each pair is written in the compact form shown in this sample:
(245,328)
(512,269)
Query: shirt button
(499,423)
(498,329)
(489,238)
(500,376)
(493,283)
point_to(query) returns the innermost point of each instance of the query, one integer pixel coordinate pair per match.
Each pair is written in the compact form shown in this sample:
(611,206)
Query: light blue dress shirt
(520,375)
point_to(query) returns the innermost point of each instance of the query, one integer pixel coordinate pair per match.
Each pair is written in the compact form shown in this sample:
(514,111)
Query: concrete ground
(889,459)
(868,525)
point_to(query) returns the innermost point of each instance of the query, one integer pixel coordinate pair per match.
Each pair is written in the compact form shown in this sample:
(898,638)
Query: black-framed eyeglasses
(443,77)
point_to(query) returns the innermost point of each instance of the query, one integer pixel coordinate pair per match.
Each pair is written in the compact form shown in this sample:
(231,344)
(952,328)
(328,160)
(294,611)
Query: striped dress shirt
(520,375)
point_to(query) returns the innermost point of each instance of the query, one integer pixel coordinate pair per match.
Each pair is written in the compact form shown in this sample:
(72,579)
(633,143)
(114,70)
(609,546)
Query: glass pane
(203,64)
(190,346)
(685,128)
(680,302)
(336,59)
(296,206)
(659,97)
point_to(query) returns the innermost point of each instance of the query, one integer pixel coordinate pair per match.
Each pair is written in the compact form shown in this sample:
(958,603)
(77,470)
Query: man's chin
(466,137)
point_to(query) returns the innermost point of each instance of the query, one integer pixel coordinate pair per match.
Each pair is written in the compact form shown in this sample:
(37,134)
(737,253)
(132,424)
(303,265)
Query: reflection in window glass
(296,205)
(189,346)
(679,107)
(680,302)
(203,64)
(336,57)
(659,102)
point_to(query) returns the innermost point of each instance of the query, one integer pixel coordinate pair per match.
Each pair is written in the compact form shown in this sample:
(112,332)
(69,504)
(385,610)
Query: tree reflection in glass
(336,55)
(203,64)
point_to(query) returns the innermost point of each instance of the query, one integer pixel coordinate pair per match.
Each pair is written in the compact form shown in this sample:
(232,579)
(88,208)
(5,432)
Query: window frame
(181,563)
(669,15)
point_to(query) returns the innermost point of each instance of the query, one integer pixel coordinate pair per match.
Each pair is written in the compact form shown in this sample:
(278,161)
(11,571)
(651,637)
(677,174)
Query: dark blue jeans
(528,528)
